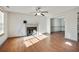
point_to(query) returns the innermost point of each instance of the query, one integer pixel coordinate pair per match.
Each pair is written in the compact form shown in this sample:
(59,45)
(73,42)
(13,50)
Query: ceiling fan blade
(36,14)
(42,14)
(38,8)
(44,11)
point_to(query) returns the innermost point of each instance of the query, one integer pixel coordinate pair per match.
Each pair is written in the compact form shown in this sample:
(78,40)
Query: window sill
(1,33)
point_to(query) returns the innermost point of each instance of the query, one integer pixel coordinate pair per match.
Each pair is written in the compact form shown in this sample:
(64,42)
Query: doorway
(57,25)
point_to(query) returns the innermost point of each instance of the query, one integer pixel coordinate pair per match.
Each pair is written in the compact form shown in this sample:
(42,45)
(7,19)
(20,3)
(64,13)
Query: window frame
(2,15)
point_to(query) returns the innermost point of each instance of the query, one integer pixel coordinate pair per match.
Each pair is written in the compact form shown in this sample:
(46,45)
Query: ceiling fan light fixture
(38,13)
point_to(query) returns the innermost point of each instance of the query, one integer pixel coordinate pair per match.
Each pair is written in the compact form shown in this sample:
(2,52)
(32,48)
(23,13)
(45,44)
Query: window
(1,23)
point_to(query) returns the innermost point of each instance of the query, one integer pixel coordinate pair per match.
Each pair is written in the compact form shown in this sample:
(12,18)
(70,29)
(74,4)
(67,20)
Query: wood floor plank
(54,43)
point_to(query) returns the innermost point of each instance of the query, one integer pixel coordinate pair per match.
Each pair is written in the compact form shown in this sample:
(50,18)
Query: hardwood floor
(54,43)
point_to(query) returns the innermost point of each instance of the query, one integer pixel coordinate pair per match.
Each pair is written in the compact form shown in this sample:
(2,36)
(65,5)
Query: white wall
(5,36)
(48,25)
(71,24)
(42,21)
(17,28)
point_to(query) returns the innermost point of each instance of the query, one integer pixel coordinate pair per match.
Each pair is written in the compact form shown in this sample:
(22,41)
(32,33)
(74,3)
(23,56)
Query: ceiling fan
(39,11)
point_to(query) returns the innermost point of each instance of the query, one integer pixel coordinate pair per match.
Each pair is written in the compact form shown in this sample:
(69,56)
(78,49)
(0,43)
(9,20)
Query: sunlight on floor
(30,40)
(68,43)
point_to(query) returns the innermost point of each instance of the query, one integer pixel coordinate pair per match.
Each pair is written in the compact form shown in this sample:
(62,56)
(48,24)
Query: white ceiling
(29,9)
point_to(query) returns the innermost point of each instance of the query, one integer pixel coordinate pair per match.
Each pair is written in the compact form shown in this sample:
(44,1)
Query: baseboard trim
(3,42)
(70,40)
(58,31)
(16,37)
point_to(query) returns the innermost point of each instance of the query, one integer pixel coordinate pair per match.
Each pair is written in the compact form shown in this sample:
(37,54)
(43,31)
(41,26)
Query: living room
(22,22)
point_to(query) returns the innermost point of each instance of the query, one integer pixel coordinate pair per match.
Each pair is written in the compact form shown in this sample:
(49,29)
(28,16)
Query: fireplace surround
(31,29)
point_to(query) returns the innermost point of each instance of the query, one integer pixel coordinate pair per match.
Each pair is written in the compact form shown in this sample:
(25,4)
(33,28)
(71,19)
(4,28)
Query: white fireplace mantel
(32,25)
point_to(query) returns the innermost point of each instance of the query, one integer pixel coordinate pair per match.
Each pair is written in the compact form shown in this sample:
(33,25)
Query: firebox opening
(31,30)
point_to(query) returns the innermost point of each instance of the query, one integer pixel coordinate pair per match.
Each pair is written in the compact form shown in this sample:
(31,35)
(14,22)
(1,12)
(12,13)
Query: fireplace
(31,30)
